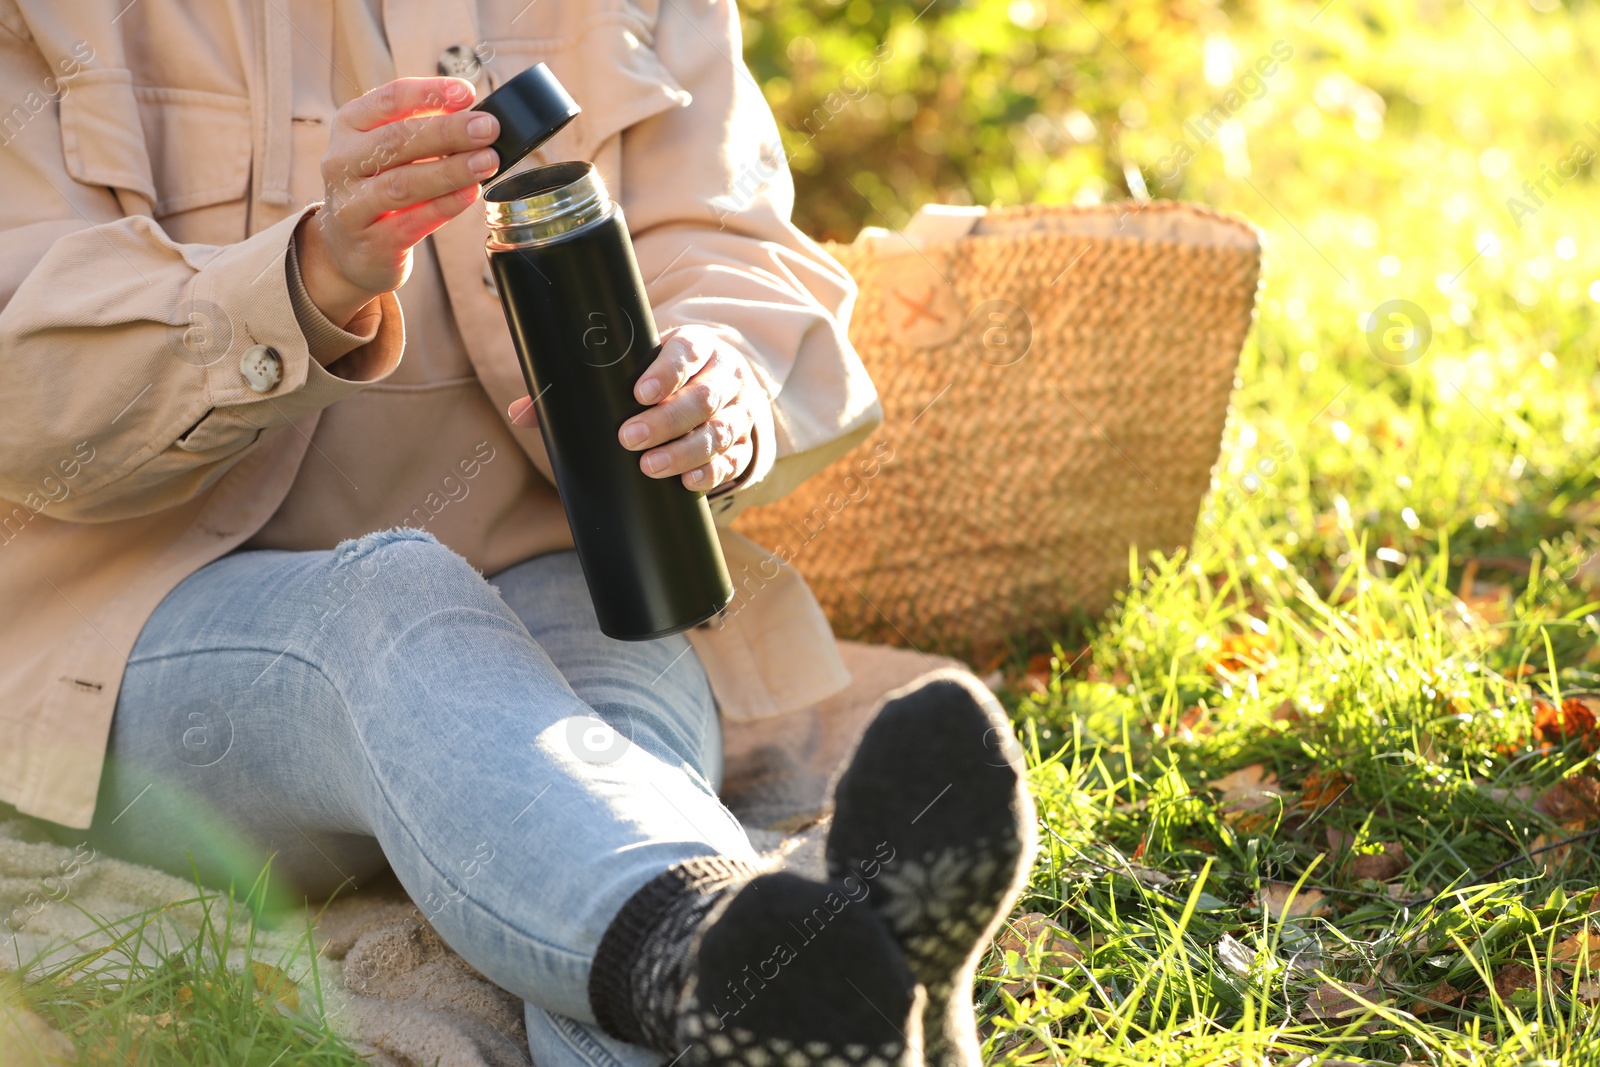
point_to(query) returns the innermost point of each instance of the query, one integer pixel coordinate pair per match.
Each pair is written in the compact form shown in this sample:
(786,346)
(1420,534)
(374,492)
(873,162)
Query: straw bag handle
(1150,220)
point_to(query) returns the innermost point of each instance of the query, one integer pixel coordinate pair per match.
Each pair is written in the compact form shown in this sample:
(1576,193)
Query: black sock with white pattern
(646,956)
(798,973)
(718,969)
(933,816)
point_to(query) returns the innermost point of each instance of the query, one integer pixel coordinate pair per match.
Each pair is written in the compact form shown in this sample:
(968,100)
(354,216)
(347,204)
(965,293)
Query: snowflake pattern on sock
(712,1045)
(934,812)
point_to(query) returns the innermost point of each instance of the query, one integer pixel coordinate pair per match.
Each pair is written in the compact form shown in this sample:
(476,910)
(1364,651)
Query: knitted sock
(798,973)
(934,817)
(646,956)
(712,967)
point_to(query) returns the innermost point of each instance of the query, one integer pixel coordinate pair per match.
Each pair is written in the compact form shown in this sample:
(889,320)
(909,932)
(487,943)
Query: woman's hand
(698,427)
(402,161)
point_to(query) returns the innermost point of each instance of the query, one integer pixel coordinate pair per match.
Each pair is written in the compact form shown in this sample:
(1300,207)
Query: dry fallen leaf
(1248,796)
(274,984)
(1248,787)
(1380,866)
(1587,991)
(1579,948)
(1327,1001)
(1193,719)
(1555,857)
(186,991)
(1287,711)
(1515,977)
(1023,931)
(1438,998)
(1248,822)
(1275,898)
(1246,653)
(1038,674)
(1320,789)
(1574,720)
(1575,799)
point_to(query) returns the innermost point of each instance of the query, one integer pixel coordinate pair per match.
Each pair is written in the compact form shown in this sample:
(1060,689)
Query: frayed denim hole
(357,547)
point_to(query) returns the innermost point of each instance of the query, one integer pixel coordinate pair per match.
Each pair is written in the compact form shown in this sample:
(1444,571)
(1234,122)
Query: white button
(261,367)
(459,61)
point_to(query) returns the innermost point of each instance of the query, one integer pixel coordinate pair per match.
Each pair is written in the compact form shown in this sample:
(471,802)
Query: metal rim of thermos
(534,207)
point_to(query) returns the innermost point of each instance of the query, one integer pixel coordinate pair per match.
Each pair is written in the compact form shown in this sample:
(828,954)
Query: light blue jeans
(522,773)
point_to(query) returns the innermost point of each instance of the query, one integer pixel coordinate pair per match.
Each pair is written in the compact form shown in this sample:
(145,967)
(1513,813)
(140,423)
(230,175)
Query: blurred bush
(1259,105)
(883,107)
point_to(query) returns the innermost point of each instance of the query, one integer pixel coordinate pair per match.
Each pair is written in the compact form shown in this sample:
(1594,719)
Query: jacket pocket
(608,66)
(165,152)
(199,147)
(102,137)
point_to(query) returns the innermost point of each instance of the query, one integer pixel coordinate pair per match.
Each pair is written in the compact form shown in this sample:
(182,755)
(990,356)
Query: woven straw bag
(1055,382)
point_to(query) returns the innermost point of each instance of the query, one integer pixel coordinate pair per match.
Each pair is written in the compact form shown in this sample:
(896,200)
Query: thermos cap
(532,108)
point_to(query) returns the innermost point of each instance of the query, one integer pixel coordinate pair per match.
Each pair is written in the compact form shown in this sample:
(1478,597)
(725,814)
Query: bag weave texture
(1055,386)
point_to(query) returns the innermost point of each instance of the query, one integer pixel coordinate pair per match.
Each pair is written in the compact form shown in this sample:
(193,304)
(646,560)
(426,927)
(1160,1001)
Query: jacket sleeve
(716,246)
(121,344)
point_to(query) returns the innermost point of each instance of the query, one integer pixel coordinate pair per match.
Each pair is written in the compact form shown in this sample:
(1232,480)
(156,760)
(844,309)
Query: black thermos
(575,302)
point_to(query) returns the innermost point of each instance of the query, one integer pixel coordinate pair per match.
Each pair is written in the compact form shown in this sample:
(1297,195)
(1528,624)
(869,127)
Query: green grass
(184,984)
(1357,504)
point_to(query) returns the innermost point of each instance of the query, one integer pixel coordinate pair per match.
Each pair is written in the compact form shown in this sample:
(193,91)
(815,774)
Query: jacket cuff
(252,280)
(325,341)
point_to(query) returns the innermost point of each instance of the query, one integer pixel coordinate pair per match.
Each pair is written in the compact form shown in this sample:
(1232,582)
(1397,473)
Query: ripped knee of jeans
(357,548)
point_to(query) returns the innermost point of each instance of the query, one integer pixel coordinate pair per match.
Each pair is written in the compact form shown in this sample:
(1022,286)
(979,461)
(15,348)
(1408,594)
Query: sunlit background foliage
(1375,668)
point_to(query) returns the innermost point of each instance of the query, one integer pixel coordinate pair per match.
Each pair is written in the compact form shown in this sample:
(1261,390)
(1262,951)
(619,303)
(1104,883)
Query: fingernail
(656,462)
(634,434)
(481,127)
(649,391)
(697,476)
(483,162)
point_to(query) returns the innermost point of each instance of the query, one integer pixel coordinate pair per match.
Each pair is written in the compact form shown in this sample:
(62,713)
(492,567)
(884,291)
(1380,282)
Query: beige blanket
(390,985)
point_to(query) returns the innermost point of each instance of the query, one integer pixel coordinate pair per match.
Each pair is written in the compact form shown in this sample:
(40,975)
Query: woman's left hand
(698,427)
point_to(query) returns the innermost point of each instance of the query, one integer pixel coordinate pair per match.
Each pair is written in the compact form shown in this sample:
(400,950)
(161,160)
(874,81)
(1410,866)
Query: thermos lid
(532,108)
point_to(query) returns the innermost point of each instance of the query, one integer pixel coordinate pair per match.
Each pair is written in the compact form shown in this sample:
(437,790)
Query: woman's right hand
(402,161)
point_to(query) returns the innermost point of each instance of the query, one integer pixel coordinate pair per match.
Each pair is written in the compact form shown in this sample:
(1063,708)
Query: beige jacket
(156,159)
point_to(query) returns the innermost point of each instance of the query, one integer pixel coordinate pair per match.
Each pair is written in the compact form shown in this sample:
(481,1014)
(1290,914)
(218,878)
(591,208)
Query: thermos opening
(539,180)
(540,205)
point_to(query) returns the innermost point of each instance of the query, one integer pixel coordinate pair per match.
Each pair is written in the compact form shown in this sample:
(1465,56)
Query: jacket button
(459,61)
(261,367)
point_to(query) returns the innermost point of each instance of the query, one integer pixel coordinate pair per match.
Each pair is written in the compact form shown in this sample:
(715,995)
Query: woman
(225,225)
